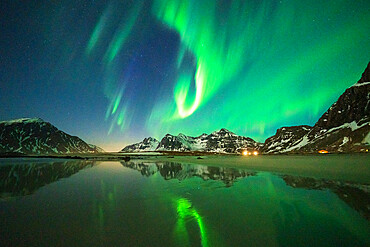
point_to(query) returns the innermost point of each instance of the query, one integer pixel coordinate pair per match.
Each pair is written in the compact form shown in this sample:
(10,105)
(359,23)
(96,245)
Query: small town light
(245,153)
(255,153)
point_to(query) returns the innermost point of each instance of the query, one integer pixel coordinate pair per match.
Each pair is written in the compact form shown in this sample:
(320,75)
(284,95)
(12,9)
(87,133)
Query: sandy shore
(344,167)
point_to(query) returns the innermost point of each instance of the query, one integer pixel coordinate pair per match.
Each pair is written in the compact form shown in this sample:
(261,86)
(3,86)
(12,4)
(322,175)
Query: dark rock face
(222,141)
(148,144)
(284,138)
(366,75)
(352,105)
(96,149)
(35,136)
(346,124)
(173,143)
(228,142)
(344,127)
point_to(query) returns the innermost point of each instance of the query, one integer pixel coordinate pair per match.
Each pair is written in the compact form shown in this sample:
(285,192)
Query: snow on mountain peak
(35,136)
(22,120)
(223,132)
(148,144)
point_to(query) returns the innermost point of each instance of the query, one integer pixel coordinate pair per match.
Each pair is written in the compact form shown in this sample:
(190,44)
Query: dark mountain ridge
(222,141)
(35,136)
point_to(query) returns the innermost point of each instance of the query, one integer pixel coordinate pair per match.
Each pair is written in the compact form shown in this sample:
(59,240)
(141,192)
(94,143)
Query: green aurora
(258,65)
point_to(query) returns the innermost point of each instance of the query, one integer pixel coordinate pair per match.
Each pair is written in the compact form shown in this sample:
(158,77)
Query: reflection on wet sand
(186,213)
(171,170)
(356,196)
(175,204)
(25,179)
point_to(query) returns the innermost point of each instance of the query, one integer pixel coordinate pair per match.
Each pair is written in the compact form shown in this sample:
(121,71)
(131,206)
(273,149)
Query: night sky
(114,72)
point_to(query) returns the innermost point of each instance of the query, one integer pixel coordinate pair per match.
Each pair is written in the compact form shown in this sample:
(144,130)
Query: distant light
(323,151)
(255,153)
(245,153)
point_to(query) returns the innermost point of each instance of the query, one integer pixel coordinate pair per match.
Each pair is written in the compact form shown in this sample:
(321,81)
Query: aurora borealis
(114,72)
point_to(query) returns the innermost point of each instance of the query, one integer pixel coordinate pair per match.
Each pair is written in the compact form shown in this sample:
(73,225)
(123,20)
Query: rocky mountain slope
(96,149)
(148,144)
(222,141)
(35,136)
(344,127)
(285,138)
(228,142)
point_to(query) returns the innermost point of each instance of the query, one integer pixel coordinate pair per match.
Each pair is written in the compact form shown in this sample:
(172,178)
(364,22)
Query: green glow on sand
(186,211)
(104,207)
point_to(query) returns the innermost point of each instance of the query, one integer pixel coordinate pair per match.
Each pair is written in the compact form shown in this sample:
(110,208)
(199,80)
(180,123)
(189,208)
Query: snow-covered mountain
(35,136)
(344,127)
(148,144)
(285,138)
(96,149)
(182,142)
(222,141)
(225,141)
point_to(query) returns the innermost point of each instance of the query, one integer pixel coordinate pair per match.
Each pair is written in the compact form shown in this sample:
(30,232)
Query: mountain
(225,141)
(148,144)
(222,141)
(285,138)
(183,142)
(344,127)
(177,143)
(96,149)
(35,136)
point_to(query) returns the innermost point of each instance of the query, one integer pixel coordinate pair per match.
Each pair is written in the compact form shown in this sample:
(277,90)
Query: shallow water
(85,203)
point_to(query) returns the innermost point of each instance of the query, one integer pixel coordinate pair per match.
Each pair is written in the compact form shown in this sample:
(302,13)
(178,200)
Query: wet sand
(343,167)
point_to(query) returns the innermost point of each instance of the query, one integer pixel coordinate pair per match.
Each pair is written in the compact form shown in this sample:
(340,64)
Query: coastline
(344,167)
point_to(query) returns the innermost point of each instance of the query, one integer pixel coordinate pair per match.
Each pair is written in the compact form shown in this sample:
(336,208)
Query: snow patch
(345,140)
(353,125)
(361,84)
(304,141)
(22,120)
(366,140)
